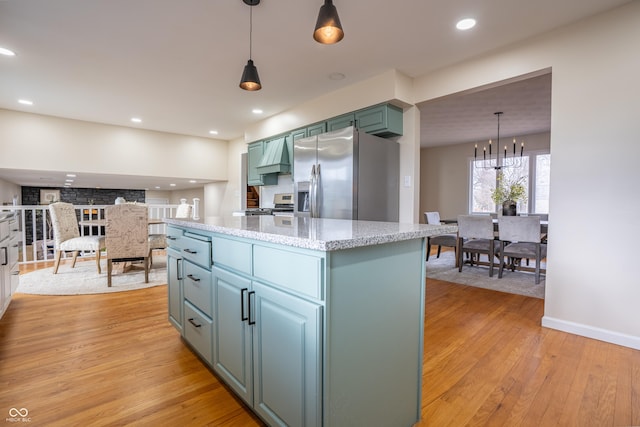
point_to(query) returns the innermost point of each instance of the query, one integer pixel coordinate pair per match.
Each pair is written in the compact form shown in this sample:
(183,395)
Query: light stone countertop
(314,233)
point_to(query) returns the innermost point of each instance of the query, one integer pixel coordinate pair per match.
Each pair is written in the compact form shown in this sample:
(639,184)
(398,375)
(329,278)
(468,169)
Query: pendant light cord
(250,29)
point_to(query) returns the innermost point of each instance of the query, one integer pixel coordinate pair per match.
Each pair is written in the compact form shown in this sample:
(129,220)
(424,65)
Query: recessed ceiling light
(466,24)
(68,180)
(172,185)
(136,120)
(25,102)
(6,52)
(157,187)
(71,175)
(256,111)
(213,132)
(192,181)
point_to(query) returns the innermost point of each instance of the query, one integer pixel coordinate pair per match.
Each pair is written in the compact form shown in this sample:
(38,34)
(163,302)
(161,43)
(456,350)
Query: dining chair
(520,238)
(475,236)
(127,236)
(447,240)
(183,210)
(67,238)
(156,242)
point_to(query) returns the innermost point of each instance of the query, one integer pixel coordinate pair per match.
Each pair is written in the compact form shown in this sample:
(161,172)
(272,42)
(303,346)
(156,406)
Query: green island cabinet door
(255,151)
(174,279)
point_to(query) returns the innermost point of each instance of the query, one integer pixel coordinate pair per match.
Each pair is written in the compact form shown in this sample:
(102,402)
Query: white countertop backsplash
(314,233)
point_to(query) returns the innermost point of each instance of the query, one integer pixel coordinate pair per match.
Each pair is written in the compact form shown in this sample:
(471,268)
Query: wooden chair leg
(151,258)
(439,248)
(57,262)
(109,269)
(146,270)
(98,261)
(501,268)
(428,247)
(75,258)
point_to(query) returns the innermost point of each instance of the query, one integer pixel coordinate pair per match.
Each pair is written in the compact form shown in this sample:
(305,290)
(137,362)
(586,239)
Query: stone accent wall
(76,196)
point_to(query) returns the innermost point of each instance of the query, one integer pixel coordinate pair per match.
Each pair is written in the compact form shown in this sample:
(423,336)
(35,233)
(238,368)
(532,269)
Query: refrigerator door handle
(312,201)
(316,184)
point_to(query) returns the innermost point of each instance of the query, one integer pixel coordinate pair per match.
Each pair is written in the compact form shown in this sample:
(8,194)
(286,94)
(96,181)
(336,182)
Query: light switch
(407,181)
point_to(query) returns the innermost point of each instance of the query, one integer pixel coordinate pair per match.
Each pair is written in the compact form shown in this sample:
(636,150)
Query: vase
(509,208)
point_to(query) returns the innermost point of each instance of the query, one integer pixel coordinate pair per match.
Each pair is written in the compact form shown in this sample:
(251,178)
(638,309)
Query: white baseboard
(591,332)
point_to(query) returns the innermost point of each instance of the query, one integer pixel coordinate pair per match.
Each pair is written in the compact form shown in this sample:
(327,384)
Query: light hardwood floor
(113,359)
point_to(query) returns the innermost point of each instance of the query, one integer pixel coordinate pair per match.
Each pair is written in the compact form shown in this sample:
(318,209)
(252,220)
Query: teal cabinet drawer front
(197,287)
(197,251)
(299,272)
(232,253)
(174,237)
(197,331)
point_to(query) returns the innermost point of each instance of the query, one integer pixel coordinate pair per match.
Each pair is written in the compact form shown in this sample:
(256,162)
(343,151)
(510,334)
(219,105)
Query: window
(484,176)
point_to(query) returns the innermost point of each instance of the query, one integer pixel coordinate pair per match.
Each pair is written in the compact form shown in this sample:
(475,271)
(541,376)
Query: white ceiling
(177,64)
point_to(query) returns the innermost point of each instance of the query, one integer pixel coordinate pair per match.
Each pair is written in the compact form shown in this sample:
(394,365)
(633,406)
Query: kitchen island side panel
(374,342)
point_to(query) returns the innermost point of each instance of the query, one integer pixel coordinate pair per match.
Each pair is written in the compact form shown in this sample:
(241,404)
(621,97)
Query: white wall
(594,172)
(32,141)
(444,175)
(7,191)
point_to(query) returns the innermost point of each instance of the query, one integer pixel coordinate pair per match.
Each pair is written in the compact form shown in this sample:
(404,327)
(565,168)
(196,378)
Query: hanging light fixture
(250,80)
(499,162)
(328,28)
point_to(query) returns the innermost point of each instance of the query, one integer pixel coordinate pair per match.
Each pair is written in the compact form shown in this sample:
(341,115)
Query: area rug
(84,279)
(514,282)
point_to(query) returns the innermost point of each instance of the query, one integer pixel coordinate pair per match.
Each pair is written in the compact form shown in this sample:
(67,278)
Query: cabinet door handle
(191,320)
(190,251)
(195,279)
(178,268)
(251,322)
(6,258)
(242,316)
(171,238)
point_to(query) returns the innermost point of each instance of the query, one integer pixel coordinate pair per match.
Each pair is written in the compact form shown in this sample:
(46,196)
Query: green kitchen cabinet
(341,122)
(255,151)
(266,340)
(382,120)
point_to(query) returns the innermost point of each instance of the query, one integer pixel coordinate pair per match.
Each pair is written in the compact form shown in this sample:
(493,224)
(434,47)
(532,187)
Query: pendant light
(328,28)
(250,80)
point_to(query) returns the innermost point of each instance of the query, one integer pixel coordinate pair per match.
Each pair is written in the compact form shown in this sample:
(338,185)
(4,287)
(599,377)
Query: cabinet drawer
(197,287)
(4,230)
(197,331)
(297,271)
(196,250)
(174,237)
(232,254)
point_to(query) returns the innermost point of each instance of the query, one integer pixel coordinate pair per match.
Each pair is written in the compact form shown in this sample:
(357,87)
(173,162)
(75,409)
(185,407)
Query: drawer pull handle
(6,258)
(194,323)
(178,269)
(195,279)
(242,316)
(172,238)
(190,251)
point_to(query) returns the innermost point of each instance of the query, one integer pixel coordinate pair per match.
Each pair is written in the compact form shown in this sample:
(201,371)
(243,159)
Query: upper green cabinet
(255,152)
(382,120)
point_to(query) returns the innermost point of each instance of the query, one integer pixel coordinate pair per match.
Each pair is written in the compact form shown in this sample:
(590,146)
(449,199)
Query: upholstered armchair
(127,236)
(67,238)
(520,237)
(476,236)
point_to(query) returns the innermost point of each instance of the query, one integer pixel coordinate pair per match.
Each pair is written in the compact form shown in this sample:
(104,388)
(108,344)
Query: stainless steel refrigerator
(346,174)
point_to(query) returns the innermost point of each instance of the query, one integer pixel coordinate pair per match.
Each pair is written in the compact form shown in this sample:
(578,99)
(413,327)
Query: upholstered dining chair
(446,240)
(156,242)
(127,236)
(520,238)
(475,236)
(67,238)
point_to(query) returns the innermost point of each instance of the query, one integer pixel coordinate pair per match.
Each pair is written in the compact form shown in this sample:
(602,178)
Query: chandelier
(498,162)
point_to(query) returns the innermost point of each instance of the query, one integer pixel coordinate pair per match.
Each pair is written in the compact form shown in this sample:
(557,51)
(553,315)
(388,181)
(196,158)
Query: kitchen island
(312,322)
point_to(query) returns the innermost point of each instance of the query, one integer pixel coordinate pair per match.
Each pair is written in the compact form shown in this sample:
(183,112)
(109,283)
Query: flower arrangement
(513,190)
